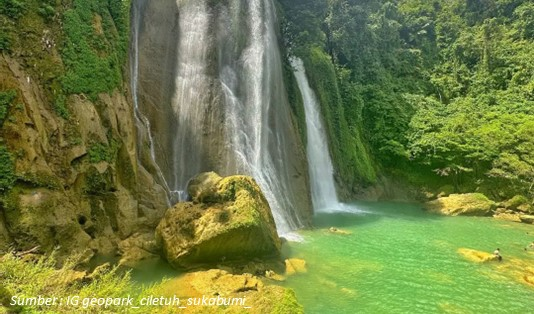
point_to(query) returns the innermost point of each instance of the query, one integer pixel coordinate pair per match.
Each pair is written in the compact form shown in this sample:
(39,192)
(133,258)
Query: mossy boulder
(471,204)
(526,208)
(517,202)
(231,222)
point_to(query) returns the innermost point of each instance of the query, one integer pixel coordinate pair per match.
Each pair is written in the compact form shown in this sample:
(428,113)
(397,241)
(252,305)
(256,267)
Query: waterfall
(213,93)
(142,123)
(191,98)
(320,167)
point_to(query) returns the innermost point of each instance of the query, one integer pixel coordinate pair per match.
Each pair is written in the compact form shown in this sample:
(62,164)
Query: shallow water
(400,259)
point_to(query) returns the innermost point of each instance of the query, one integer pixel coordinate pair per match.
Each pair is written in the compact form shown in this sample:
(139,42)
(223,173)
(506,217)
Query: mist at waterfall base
(320,168)
(221,105)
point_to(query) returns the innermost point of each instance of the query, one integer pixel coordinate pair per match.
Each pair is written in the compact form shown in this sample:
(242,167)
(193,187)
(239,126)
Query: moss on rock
(203,188)
(214,283)
(476,256)
(472,204)
(518,202)
(287,304)
(238,226)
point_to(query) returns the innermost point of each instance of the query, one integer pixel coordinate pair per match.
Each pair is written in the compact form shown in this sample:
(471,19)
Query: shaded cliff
(68,140)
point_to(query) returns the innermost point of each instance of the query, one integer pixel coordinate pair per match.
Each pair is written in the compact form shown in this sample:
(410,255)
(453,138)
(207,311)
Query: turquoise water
(400,259)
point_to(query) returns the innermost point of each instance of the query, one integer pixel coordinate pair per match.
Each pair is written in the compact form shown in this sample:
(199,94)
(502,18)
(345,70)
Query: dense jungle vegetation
(69,47)
(441,92)
(436,92)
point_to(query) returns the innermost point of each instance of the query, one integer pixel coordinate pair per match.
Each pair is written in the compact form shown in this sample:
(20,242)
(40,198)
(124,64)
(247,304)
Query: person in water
(497,254)
(530,246)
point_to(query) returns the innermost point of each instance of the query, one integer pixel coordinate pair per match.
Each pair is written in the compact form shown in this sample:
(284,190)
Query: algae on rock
(236,223)
(59,197)
(216,283)
(477,256)
(473,204)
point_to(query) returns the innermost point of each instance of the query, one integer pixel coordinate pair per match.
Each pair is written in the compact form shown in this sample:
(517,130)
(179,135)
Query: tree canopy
(443,87)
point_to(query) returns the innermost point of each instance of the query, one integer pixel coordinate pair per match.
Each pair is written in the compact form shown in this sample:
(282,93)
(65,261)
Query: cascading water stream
(254,139)
(191,103)
(324,197)
(142,123)
(227,109)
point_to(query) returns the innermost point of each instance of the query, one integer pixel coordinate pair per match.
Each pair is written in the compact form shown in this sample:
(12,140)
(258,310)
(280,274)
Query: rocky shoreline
(516,209)
(225,240)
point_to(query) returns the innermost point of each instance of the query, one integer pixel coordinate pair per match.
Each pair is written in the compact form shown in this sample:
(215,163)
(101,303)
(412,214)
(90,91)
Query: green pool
(400,259)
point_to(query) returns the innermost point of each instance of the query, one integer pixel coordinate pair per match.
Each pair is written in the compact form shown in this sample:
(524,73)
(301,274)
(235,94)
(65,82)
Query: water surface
(400,259)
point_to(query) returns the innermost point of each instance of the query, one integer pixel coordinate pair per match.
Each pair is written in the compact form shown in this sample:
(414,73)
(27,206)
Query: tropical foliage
(441,88)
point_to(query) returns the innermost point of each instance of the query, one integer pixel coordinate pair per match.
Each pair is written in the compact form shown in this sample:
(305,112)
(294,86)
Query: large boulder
(515,202)
(472,204)
(228,220)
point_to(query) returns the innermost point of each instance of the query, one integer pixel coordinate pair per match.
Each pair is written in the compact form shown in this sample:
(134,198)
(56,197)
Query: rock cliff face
(77,183)
(71,176)
(210,83)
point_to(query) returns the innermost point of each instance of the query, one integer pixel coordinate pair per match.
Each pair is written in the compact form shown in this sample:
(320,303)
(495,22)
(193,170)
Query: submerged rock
(295,266)
(229,219)
(520,270)
(477,256)
(137,249)
(472,204)
(338,231)
(216,283)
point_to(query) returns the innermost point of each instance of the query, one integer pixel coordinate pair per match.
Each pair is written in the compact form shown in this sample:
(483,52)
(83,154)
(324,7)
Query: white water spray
(323,189)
